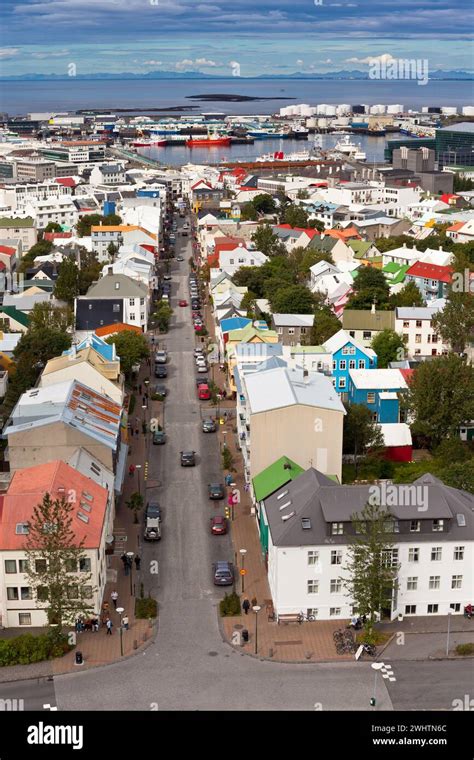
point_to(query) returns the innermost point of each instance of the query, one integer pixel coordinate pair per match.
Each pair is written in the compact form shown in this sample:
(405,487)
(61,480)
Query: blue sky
(269,36)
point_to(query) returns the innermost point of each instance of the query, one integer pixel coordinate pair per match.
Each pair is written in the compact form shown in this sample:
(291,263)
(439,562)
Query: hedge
(146,608)
(464,649)
(25,649)
(230,605)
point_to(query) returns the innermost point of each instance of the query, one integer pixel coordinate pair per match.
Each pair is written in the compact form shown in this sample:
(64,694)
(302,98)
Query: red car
(204,394)
(218,525)
(198,327)
(182,302)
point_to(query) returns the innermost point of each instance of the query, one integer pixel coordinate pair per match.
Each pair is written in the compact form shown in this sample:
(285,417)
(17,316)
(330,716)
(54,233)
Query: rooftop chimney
(372,310)
(305,376)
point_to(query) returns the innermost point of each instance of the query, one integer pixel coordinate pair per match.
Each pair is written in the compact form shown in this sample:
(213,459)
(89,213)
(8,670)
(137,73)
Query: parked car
(161,357)
(202,381)
(202,368)
(159,437)
(198,351)
(182,302)
(216,491)
(188,458)
(218,525)
(161,390)
(167,277)
(204,394)
(179,258)
(223,573)
(153,510)
(208,426)
(161,371)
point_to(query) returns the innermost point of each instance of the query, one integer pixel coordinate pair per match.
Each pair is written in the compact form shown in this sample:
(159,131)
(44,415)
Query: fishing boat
(350,149)
(148,143)
(210,140)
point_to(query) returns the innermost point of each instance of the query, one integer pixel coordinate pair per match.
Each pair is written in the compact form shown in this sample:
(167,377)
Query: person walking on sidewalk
(109,625)
(137,561)
(246,606)
(114,597)
(125,622)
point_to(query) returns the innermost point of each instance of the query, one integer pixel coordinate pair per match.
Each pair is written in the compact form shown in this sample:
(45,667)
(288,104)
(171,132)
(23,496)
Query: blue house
(106,350)
(378,390)
(347,354)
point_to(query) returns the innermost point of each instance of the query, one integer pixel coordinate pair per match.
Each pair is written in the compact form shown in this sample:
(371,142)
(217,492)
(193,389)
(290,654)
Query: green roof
(16,314)
(274,477)
(7,221)
(307,350)
(398,272)
(360,247)
(243,334)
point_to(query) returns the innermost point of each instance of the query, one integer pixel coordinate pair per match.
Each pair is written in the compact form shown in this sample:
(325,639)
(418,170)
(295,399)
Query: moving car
(182,302)
(188,458)
(204,394)
(208,426)
(161,357)
(159,437)
(161,370)
(216,491)
(218,525)
(223,573)
(179,258)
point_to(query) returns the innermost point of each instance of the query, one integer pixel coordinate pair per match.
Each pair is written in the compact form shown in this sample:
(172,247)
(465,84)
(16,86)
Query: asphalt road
(189,667)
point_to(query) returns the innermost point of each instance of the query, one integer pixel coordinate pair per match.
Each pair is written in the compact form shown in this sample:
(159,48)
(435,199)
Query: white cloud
(151,63)
(204,62)
(384,58)
(186,63)
(8,52)
(50,54)
(300,62)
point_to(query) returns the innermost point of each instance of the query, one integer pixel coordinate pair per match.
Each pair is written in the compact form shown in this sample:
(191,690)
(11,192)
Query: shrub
(229,606)
(386,469)
(227,460)
(131,405)
(27,648)
(146,608)
(464,649)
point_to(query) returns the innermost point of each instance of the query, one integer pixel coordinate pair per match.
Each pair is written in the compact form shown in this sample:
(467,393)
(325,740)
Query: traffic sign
(243,571)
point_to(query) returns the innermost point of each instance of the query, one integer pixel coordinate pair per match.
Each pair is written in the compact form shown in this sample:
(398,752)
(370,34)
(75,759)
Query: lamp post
(376,667)
(138,467)
(449,631)
(243,552)
(143,419)
(120,611)
(256,608)
(130,556)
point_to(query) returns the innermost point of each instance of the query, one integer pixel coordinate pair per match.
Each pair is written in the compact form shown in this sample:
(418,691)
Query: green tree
(440,397)
(41,248)
(38,346)
(264,204)
(112,249)
(53,227)
(389,347)
(408,296)
(302,195)
(369,287)
(83,226)
(248,212)
(325,325)
(54,556)
(292,299)
(371,573)
(459,475)
(452,451)
(455,323)
(131,347)
(90,270)
(135,503)
(295,216)
(162,316)
(267,242)
(360,433)
(316,224)
(248,304)
(67,285)
(46,316)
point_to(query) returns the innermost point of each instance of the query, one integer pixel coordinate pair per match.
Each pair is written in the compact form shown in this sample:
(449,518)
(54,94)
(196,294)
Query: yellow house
(252,333)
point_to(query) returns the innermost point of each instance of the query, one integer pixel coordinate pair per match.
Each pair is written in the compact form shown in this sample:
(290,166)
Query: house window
(26,593)
(312,612)
(342,364)
(418,322)
(361,363)
(456,581)
(335,586)
(456,607)
(312,587)
(87,592)
(42,593)
(85,565)
(132,317)
(352,333)
(10,565)
(366,335)
(415,526)
(337,528)
(117,286)
(410,609)
(352,364)
(334,612)
(116,307)
(22,565)
(342,382)
(436,554)
(438,526)
(334,365)
(12,593)
(336,557)
(458,552)
(418,338)
(231,261)
(406,324)
(371,398)
(132,301)
(434,582)
(412,583)
(413,554)
(291,331)
(313,557)
(40,566)
(24,618)
(432,609)
(280,331)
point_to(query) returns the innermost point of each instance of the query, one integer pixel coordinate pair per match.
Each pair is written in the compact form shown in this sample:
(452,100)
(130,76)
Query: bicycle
(303,617)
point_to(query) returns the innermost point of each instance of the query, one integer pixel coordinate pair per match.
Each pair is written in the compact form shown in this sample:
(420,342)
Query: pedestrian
(125,622)
(246,606)
(131,469)
(137,562)
(254,601)
(131,432)
(124,558)
(109,625)
(140,389)
(95,625)
(114,597)
(137,432)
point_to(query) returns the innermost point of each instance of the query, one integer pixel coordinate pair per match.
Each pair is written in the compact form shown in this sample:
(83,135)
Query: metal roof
(281,387)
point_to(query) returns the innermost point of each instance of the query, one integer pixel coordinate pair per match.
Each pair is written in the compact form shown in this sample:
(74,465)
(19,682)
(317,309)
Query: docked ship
(350,149)
(148,143)
(208,141)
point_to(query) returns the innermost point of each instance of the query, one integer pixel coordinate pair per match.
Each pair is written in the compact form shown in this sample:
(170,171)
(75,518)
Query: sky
(212,36)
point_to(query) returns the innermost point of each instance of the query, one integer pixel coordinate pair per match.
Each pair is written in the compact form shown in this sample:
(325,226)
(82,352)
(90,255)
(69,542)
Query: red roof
(448,196)
(308,230)
(7,250)
(51,236)
(407,374)
(66,181)
(26,491)
(455,227)
(228,244)
(201,182)
(349,232)
(117,327)
(430,271)
(213,260)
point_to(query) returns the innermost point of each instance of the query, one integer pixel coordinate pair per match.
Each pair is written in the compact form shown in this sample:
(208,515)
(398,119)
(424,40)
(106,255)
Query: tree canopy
(67,285)
(389,347)
(291,299)
(370,286)
(131,347)
(83,226)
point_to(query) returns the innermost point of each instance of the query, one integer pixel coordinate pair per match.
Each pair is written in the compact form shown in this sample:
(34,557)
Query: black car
(223,573)
(161,370)
(195,304)
(216,491)
(202,381)
(153,511)
(188,458)
(208,426)
(160,390)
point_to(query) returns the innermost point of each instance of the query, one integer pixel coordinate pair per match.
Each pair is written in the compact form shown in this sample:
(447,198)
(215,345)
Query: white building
(306,530)
(61,210)
(231,261)
(17,197)
(414,324)
(108,174)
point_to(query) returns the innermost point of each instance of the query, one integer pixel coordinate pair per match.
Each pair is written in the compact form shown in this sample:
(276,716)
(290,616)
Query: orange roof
(456,227)
(114,227)
(309,231)
(349,232)
(27,489)
(7,250)
(101,332)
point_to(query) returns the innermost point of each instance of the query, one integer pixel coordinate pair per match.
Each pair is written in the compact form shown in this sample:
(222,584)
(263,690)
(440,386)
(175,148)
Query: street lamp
(376,666)
(144,420)
(120,611)
(138,467)
(243,552)
(449,630)
(130,556)
(256,608)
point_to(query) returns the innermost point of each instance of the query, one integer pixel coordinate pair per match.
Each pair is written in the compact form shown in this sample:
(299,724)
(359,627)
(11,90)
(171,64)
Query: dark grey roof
(316,497)
(111,168)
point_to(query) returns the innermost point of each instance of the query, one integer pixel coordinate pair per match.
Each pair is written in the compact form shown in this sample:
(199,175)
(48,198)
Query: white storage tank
(468,111)
(323,123)
(330,110)
(321,108)
(311,123)
(395,109)
(449,110)
(343,109)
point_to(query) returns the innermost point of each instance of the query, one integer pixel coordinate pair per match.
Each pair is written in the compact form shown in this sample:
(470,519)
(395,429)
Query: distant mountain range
(343,75)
